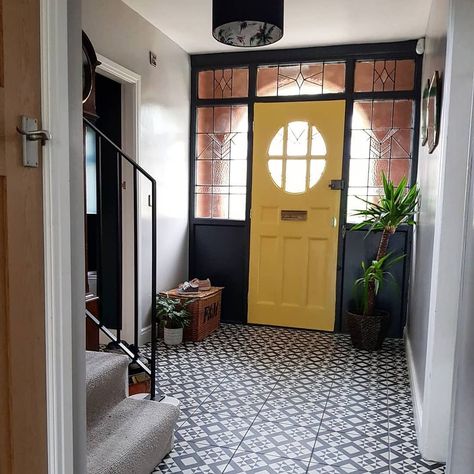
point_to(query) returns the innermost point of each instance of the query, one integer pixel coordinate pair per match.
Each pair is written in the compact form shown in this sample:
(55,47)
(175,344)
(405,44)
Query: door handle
(30,134)
(35,135)
(334,221)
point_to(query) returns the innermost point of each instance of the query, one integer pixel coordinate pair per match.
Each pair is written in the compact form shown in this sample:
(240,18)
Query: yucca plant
(397,206)
(373,275)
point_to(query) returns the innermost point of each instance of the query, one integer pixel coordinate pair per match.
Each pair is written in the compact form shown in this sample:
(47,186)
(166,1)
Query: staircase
(124,435)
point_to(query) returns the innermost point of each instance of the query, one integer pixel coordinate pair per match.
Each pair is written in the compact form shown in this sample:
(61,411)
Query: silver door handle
(35,135)
(30,134)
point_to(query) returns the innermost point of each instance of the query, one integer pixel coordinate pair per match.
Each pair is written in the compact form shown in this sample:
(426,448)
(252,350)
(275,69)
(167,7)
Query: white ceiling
(307,22)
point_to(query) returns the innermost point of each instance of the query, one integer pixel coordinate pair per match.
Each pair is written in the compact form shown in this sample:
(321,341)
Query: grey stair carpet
(124,435)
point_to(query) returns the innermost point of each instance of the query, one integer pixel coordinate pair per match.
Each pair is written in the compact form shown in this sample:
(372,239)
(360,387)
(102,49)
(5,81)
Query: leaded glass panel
(221,162)
(223,83)
(301,79)
(381,143)
(384,75)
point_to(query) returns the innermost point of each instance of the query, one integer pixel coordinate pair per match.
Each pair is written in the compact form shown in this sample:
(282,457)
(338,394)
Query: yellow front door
(297,151)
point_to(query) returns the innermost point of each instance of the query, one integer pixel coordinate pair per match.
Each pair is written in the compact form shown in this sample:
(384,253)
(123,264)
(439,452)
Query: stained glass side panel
(384,75)
(381,143)
(221,162)
(223,83)
(301,79)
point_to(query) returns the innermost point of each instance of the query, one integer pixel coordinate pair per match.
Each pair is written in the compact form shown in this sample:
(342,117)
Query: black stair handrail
(120,154)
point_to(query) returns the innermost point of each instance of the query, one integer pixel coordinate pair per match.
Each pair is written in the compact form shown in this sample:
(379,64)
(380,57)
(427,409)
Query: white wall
(428,180)
(461,456)
(435,291)
(120,34)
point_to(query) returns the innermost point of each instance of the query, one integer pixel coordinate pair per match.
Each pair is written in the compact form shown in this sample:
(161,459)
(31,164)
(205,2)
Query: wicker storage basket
(205,312)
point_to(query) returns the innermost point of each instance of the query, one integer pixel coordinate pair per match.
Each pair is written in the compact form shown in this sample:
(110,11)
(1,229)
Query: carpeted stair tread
(124,435)
(132,438)
(106,382)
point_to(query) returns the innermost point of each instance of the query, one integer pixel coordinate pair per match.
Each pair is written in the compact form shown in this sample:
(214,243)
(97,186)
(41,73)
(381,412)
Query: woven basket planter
(368,332)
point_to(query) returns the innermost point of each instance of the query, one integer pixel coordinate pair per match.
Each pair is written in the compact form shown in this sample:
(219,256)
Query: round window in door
(295,156)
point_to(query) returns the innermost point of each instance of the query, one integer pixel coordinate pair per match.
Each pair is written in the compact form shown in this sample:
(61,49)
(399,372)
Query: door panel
(22,319)
(298,149)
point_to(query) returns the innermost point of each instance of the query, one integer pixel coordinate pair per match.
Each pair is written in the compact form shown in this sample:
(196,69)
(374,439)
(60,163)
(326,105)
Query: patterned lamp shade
(247,23)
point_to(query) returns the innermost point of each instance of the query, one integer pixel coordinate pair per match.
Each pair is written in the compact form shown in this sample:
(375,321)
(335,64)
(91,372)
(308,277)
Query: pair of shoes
(204,285)
(188,287)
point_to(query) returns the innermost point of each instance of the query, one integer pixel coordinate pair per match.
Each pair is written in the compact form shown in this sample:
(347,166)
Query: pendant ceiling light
(247,23)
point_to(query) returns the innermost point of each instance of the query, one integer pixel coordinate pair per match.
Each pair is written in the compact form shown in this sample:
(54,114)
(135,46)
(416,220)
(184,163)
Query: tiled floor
(270,400)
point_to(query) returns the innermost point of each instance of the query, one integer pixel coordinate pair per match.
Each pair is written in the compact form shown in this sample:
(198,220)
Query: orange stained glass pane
(405,75)
(311,79)
(205,119)
(267,78)
(402,143)
(203,172)
(239,118)
(240,83)
(222,119)
(384,75)
(334,78)
(362,115)
(220,206)
(382,114)
(399,169)
(364,76)
(290,72)
(376,169)
(203,147)
(203,205)
(403,114)
(287,80)
(206,85)
(222,83)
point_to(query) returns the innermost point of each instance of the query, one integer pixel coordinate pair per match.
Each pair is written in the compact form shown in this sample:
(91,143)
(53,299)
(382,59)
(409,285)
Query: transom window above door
(295,154)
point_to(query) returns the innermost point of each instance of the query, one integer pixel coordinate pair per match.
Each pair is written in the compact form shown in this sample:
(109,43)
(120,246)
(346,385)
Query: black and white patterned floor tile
(271,400)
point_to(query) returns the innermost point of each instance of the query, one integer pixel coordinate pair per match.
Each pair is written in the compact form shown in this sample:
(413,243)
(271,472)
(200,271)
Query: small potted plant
(174,316)
(398,205)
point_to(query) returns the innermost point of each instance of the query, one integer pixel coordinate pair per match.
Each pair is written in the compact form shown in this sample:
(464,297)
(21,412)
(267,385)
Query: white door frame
(57,235)
(131,102)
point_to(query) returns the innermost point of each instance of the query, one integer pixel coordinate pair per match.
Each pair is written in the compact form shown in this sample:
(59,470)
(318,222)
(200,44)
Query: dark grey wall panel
(220,253)
(359,246)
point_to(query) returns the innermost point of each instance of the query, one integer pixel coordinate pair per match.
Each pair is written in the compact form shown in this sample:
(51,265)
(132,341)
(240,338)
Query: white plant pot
(173,337)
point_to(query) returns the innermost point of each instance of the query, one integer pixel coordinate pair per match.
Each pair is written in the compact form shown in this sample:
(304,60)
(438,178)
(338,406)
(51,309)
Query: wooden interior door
(298,150)
(23,445)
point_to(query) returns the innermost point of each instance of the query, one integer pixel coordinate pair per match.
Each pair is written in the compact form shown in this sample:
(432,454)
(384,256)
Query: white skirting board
(417,395)
(145,335)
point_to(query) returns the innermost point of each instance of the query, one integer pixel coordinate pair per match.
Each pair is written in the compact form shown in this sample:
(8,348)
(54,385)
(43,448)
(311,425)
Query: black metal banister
(119,343)
(102,139)
(122,153)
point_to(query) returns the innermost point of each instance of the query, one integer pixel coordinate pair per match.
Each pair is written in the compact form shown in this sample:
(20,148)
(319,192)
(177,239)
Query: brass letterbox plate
(294,215)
